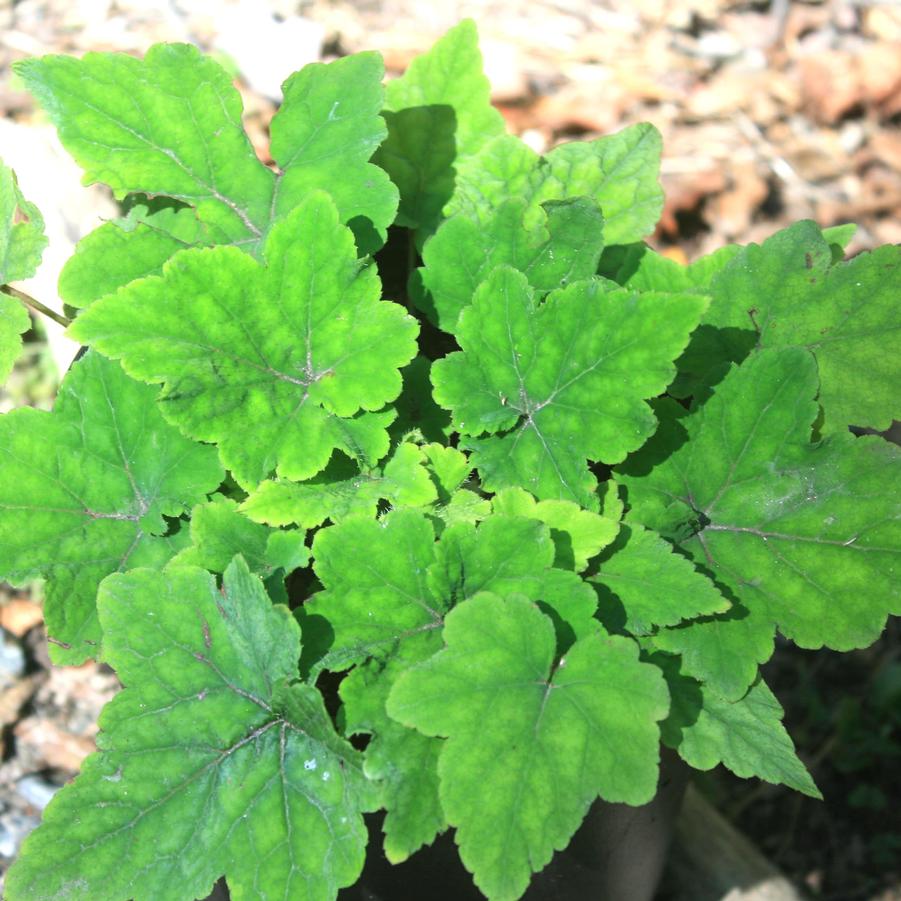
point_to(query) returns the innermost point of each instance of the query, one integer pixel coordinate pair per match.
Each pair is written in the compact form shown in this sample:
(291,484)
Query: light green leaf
(806,535)
(22,240)
(788,292)
(375,577)
(505,554)
(654,585)
(439,116)
(14,322)
(342,490)
(219,532)
(618,172)
(643,269)
(402,582)
(551,254)
(278,385)
(210,762)
(746,735)
(133,247)
(84,491)
(551,384)
(840,236)
(464,506)
(324,134)
(578,534)
(22,244)
(530,745)
(449,467)
(170,125)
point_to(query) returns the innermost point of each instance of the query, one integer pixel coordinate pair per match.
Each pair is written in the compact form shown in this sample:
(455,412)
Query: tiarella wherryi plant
(544,496)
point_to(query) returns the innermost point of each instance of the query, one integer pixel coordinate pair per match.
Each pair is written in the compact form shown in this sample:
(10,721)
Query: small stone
(37,791)
(14,827)
(12,659)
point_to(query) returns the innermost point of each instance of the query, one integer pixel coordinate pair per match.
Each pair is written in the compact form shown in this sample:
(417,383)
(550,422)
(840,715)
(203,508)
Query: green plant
(581,543)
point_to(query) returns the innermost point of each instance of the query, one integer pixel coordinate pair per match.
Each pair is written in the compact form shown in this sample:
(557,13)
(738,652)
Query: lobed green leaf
(211,762)
(439,116)
(617,172)
(462,253)
(530,744)
(94,480)
(745,735)
(540,388)
(806,535)
(642,581)
(279,364)
(790,292)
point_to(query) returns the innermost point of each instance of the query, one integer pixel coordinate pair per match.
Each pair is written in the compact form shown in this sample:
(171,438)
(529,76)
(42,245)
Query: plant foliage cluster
(537,506)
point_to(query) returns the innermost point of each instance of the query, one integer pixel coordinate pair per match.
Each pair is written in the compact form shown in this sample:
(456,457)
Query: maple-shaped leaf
(806,535)
(343,490)
(531,741)
(212,761)
(790,291)
(618,172)
(378,604)
(219,532)
(278,362)
(22,244)
(388,586)
(372,602)
(745,735)
(541,388)
(449,467)
(135,246)
(439,116)
(652,585)
(551,254)
(323,136)
(84,491)
(579,535)
(170,126)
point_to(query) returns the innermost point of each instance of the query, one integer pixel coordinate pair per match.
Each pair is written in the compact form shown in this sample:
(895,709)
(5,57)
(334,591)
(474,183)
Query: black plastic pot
(618,854)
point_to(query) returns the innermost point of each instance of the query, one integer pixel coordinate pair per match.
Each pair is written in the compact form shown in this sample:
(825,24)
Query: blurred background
(771,111)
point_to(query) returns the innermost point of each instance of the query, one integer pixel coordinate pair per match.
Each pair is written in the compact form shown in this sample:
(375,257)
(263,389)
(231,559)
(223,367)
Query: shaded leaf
(746,735)
(439,116)
(655,586)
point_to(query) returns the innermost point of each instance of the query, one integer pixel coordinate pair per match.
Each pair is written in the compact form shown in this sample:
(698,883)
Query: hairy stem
(36,305)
